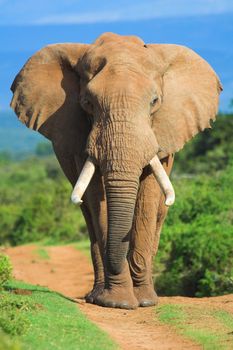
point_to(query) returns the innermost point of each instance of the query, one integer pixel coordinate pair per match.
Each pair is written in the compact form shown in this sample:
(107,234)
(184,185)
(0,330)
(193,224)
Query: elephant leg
(96,259)
(118,289)
(95,213)
(150,213)
(118,292)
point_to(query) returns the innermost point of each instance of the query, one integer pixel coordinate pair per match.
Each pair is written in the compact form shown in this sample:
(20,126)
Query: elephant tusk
(163,180)
(83,181)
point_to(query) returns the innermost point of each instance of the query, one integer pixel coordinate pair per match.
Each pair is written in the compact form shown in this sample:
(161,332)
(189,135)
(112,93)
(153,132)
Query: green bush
(35,204)
(13,320)
(209,151)
(196,247)
(13,323)
(5,269)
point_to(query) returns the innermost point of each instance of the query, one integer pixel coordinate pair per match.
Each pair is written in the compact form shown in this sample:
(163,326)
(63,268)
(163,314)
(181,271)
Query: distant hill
(15,137)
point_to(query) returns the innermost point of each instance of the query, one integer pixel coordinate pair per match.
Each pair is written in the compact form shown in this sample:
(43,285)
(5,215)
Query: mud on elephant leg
(150,213)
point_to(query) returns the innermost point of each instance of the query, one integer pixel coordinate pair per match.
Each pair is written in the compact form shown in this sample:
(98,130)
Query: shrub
(5,269)
(209,151)
(35,204)
(13,323)
(13,320)
(196,248)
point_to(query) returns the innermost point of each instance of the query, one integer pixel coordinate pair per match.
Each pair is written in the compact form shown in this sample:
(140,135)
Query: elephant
(116,112)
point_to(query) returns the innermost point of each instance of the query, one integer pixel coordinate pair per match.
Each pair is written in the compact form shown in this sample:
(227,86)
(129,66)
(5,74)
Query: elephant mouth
(157,169)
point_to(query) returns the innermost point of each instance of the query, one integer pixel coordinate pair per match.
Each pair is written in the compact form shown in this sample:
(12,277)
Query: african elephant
(118,109)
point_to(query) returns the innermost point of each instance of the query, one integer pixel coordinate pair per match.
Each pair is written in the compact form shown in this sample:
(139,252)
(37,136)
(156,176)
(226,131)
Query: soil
(69,272)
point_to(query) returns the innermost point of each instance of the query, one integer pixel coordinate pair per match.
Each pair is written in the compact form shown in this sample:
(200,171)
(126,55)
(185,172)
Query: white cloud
(88,17)
(142,11)
(80,12)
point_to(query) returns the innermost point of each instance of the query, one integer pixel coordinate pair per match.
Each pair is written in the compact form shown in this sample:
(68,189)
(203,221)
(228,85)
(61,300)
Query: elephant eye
(153,102)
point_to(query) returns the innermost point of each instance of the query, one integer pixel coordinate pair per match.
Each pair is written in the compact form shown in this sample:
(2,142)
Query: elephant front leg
(142,239)
(96,258)
(118,291)
(150,213)
(95,212)
(99,279)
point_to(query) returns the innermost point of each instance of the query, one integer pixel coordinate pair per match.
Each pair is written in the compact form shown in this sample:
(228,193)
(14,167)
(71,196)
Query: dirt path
(69,271)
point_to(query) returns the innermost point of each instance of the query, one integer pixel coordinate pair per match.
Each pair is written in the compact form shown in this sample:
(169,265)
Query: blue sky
(204,25)
(46,12)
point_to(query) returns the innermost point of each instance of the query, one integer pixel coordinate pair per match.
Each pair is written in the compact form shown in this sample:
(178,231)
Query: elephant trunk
(113,148)
(121,197)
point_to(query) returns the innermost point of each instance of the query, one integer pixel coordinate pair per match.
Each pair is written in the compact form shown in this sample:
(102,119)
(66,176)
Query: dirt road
(69,271)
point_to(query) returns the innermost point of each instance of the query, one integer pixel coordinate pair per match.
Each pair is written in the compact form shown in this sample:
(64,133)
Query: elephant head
(134,103)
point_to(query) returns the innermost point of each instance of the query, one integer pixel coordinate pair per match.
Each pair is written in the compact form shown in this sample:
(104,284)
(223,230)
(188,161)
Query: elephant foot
(97,290)
(119,297)
(145,295)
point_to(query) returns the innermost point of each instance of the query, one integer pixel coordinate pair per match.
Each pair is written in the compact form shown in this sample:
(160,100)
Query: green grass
(171,314)
(225,318)
(211,329)
(6,343)
(43,253)
(207,339)
(44,320)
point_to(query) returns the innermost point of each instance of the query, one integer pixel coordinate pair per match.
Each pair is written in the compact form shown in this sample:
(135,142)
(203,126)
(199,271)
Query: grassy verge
(211,329)
(35,318)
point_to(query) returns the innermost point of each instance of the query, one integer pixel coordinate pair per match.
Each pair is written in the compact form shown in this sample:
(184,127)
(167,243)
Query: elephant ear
(46,93)
(190,96)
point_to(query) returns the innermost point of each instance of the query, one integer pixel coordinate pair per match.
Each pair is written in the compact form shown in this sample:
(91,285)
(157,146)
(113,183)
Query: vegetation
(211,329)
(209,151)
(43,253)
(5,270)
(35,203)
(196,247)
(29,320)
